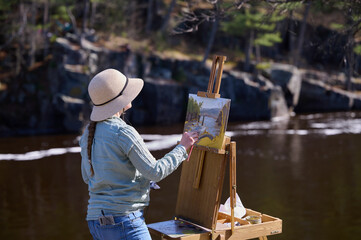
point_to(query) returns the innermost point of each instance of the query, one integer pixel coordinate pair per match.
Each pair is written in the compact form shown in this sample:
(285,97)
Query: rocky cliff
(52,97)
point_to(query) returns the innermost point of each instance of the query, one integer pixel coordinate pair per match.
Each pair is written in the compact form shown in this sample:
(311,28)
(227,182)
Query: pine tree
(259,28)
(351,28)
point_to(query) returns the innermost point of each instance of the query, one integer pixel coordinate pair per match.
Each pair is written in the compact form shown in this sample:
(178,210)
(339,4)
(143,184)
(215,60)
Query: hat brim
(100,113)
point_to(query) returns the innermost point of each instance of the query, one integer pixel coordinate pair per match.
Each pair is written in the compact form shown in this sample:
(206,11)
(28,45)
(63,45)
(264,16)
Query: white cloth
(239,210)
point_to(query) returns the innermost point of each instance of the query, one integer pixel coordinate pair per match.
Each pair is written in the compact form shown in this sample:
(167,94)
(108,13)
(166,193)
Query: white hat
(110,91)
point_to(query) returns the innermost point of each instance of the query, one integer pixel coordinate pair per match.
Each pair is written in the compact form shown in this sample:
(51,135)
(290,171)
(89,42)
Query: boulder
(288,77)
(278,105)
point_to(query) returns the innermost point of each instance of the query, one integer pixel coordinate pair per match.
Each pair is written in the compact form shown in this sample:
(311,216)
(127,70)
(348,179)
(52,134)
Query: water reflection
(306,171)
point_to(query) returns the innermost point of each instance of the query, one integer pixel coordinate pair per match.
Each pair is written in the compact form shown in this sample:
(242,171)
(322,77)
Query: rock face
(163,99)
(72,111)
(251,100)
(321,92)
(160,102)
(55,95)
(316,96)
(312,91)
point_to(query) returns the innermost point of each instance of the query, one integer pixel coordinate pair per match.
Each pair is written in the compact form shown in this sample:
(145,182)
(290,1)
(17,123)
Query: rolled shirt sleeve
(143,160)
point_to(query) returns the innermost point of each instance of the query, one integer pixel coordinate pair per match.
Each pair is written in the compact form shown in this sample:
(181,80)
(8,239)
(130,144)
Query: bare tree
(296,56)
(32,33)
(213,32)
(149,20)
(73,21)
(85,15)
(23,12)
(94,5)
(167,16)
(291,35)
(191,20)
(45,27)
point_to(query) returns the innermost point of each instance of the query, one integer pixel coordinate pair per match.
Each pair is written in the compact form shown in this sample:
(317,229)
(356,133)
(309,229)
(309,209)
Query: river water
(306,171)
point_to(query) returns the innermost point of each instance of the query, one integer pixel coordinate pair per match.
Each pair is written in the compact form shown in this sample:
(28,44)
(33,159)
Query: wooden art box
(197,207)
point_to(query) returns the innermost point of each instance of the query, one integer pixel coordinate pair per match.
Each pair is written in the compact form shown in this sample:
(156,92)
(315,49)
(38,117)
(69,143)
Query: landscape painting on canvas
(208,117)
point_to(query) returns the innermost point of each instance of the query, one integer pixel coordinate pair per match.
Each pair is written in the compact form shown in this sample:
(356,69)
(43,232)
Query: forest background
(319,35)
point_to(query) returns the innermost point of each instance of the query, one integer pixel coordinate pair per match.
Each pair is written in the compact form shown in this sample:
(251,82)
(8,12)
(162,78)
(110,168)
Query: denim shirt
(123,168)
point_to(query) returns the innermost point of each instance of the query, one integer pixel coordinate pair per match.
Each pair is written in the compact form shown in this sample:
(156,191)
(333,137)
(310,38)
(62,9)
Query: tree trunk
(258,60)
(85,15)
(93,14)
(297,54)
(73,21)
(248,51)
(148,25)
(349,61)
(23,12)
(133,17)
(292,37)
(45,28)
(211,40)
(167,16)
(18,56)
(33,34)
(357,63)
(258,54)
(213,32)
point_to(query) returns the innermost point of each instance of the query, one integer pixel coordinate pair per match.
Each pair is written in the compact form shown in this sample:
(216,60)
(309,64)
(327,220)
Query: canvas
(209,117)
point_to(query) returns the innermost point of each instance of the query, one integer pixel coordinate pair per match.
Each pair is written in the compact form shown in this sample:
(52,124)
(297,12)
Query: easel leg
(232,180)
(263,238)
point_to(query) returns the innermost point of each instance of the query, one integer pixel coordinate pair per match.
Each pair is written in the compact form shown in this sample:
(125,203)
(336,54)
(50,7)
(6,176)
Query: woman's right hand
(188,139)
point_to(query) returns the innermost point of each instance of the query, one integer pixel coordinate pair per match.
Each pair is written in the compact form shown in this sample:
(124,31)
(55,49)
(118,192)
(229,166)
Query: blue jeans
(128,227)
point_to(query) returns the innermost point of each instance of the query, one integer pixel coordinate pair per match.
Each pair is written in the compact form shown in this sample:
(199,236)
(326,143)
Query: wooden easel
(200,190)
(212,92)
(206,165)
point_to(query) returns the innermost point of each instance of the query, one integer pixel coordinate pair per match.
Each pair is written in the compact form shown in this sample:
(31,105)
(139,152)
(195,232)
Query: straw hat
(110,91)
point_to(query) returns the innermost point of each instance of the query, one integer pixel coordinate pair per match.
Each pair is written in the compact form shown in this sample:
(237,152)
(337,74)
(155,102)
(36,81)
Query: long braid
(123,114)
(91,131)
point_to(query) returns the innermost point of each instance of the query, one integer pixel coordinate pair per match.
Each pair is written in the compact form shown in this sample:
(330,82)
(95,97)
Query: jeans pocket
(111,226)
(115,231)
(137,222)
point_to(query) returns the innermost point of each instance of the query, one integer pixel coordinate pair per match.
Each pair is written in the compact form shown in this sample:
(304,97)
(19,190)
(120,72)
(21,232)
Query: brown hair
(91,130)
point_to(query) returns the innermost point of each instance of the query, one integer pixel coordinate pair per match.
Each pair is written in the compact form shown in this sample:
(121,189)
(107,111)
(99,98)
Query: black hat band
(121,92)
